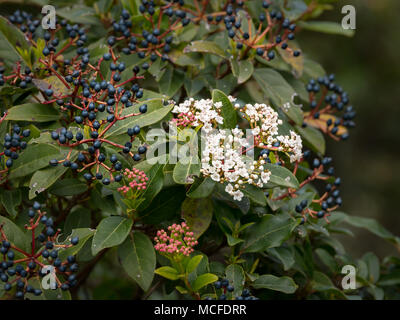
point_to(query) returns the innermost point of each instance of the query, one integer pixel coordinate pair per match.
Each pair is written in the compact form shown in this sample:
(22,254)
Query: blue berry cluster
(102,104)
(25,21)
(225,291)
(156,38)
(13,144)
(330,103)
(324,171)
(15,272)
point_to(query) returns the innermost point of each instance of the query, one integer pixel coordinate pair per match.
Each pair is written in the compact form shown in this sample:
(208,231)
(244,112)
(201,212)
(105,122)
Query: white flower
(237,195)
(229,188)
(265,176)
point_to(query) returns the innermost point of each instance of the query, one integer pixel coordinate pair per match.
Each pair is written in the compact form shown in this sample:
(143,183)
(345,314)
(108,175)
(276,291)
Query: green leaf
(14,234)
(79,14)
(321,282)
(390,279)
(111,232)
(193,86)
(165,206)
(43,179)
(232,241)
(281,176)
(193,263)
(185,169)
(68,187)
(154,185)
(228,111)
(203,280)
(201,188)
(293,9)
(314,137)
(205,47)
(181,290)
(327,259)
(235,275)
(170,82)
(297,63)
(371,225)
(284,254)
(326,27)
(11,199)
(313,69)
(270,232)
(79,217)
(372,262)
(198,214)
(144,120)
(242,70)
(271,282)
(255,194)
(33,112)
(36,158)
(138,259)
(55,83)
(279,91)
(48,294)
(84,234)
(16,40)
(168,272)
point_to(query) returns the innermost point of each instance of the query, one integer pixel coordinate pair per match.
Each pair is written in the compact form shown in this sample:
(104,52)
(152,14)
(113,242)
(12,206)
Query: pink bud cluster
(179,241)
(184,119)
(137,180)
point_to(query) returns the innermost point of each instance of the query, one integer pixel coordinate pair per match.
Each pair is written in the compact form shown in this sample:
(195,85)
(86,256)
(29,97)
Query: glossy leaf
(111,232)
(204,280)
(168,272)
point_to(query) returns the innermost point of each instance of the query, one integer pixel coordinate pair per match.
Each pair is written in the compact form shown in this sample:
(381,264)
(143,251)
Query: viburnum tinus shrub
(174,149)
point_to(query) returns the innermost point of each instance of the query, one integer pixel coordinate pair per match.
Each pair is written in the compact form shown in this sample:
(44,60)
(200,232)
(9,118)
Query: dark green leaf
(270,232)
(282,284)
(11,199)
(68,187)
(198,214)
(111,232)
(201,188)
(138,259)
(235,275)
(279,91)
(35,112)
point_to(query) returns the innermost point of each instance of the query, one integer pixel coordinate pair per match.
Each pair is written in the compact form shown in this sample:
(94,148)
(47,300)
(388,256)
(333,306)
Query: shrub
(180,141)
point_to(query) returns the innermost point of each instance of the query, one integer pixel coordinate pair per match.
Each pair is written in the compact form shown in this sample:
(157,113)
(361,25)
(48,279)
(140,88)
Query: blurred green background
(368,68)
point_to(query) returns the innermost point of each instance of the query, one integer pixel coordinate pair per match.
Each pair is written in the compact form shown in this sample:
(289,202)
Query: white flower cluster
(222,150)
(203,112)
(222,160)
(264,122)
